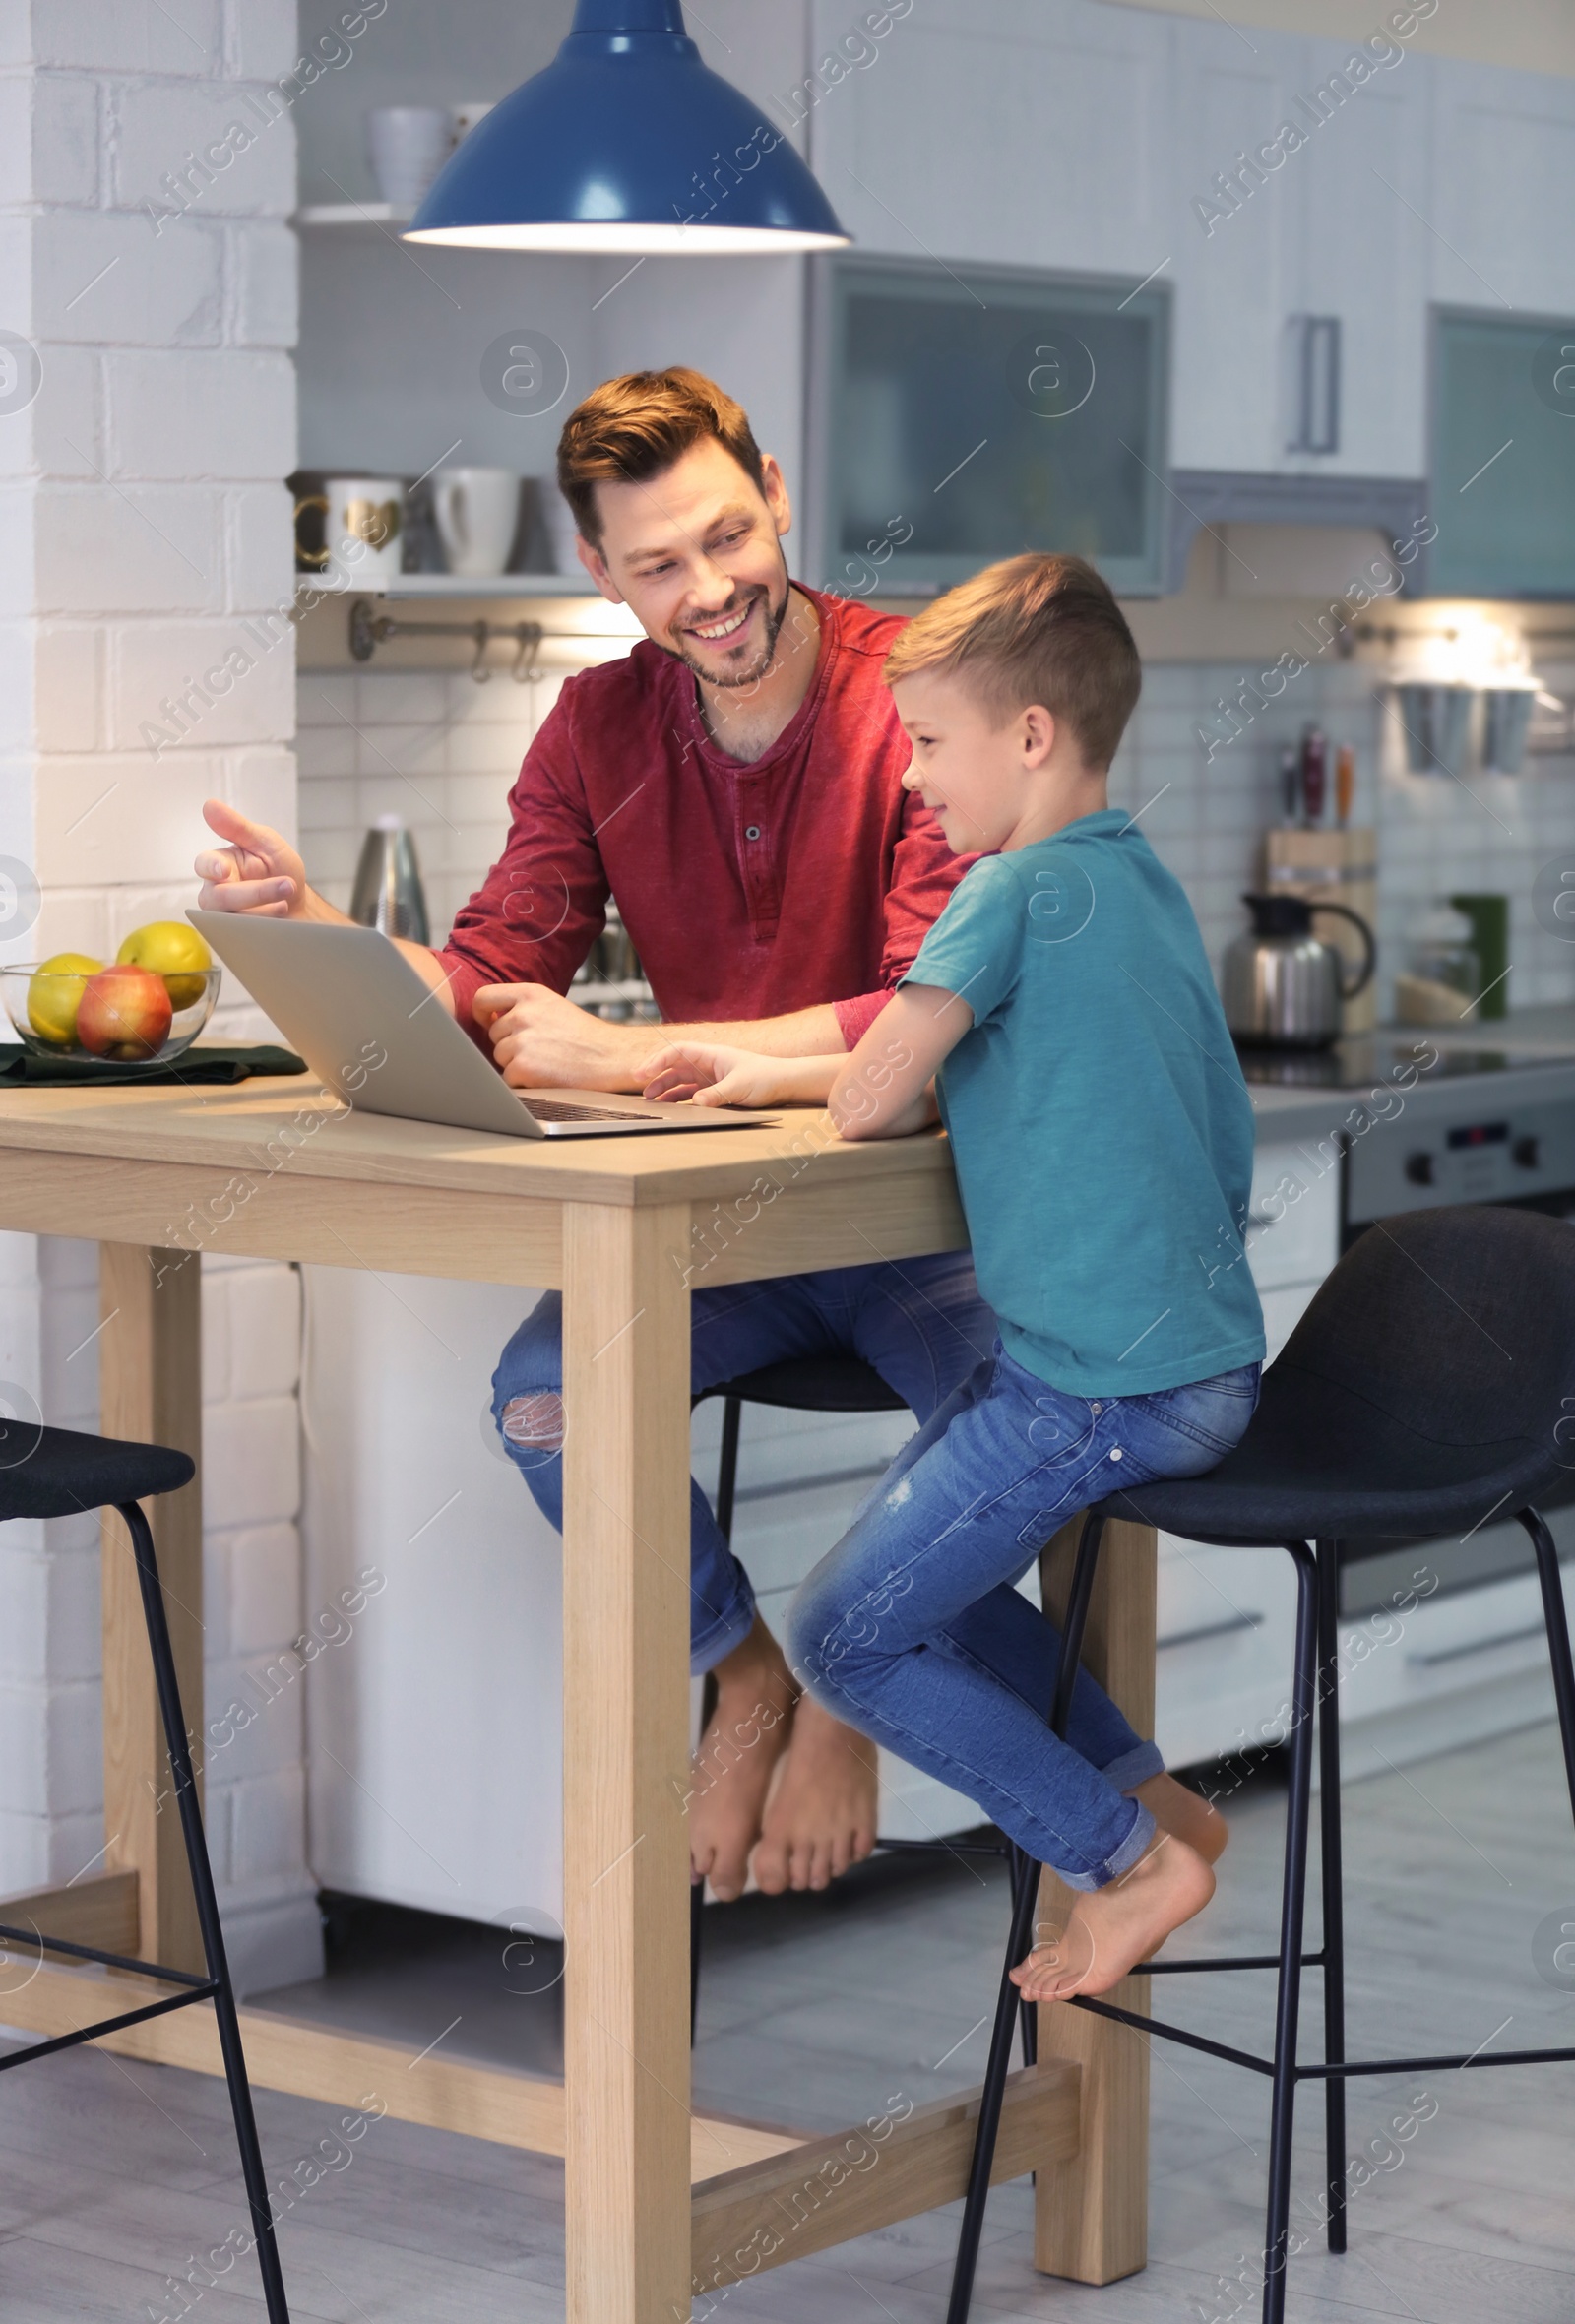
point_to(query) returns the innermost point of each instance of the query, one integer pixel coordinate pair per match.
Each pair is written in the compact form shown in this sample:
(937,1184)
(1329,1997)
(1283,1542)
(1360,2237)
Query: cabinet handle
(1476,1646)
(1231,1629)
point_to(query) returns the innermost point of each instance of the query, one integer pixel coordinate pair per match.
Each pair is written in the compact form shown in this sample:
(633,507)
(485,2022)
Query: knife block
(1331,867)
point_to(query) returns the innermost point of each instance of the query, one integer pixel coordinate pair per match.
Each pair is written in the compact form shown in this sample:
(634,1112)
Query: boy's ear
(1038,730)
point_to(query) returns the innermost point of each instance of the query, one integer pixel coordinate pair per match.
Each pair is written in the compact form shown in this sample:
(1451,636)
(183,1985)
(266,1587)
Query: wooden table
(626,1228)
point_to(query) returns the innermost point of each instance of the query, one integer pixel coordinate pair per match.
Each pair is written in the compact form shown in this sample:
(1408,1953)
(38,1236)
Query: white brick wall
(143,524)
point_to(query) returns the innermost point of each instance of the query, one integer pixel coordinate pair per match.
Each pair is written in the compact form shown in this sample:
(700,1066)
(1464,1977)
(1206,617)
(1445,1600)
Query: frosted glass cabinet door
(1503,467)
(965,417)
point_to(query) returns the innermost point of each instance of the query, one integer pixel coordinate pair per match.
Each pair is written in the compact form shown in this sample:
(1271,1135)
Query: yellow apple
(53,992)
(174,951)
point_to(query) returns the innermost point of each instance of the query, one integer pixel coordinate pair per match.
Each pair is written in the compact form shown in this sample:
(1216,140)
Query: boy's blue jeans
(910,1629)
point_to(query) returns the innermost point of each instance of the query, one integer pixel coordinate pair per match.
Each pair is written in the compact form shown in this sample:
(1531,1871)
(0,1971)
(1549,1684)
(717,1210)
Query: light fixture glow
(627,142)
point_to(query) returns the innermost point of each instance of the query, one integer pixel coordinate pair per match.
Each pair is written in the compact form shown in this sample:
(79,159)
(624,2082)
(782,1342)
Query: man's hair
(629,429)
(1033,629)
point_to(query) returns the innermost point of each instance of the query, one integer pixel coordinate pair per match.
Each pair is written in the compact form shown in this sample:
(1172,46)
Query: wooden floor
(118,2178)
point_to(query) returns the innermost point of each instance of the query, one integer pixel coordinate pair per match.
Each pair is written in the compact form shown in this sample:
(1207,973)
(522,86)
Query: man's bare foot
(1111,1929)
(738,1752)
(1186,1816)
(820,1817)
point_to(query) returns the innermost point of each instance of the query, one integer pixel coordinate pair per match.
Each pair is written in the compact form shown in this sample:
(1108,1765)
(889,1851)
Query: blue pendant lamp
(627,142)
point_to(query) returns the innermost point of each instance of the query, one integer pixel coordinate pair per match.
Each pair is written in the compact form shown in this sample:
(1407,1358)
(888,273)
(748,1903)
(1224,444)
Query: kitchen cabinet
(1503,456)
(1050,394)
(1226,1617)
(1066,135)
(1502,162)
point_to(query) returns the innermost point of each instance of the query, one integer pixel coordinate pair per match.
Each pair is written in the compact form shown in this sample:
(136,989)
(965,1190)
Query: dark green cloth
(200,1063)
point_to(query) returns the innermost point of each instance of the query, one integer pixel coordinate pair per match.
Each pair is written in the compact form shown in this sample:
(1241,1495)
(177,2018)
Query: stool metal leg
(1558,1620)
(201,1880)
(1287,2000)
(1025,1904)
(727,1465)
(697,1888)
(727,1484)
(1333,1921)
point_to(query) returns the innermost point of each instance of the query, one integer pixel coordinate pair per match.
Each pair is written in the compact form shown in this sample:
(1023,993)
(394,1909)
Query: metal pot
(1282,985)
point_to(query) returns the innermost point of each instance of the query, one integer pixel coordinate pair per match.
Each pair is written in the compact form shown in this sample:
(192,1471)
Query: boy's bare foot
(820,1817)
(1186,1816)
(738,1752)
(1111,1929)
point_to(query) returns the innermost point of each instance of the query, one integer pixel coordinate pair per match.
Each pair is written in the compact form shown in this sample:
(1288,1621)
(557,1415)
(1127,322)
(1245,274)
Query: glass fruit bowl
(110,1016)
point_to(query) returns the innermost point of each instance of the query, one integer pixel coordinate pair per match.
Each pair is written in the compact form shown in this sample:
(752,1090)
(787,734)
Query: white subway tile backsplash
(325,751)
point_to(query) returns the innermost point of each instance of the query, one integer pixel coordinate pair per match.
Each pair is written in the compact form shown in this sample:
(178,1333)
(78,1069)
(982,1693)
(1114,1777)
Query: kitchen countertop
(1547,1032)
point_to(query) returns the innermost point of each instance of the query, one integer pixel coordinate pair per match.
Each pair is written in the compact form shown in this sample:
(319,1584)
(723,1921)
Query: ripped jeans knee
(534,1422)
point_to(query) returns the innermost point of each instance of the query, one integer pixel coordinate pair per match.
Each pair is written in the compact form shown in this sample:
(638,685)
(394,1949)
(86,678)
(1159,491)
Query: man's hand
(541,1041)
(714,1073)
(258,872)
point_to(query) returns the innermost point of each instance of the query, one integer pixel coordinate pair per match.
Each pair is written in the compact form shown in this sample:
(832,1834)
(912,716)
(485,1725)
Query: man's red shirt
(807,876)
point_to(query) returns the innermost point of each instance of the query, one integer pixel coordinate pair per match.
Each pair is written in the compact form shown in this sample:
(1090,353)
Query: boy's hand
(710,1073)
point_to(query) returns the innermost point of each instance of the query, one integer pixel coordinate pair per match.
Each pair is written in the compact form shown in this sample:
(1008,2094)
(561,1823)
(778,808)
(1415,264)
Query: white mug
(477,510)
(407,146)
(363,518)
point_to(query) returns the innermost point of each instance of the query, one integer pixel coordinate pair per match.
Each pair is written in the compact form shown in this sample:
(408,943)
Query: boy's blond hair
(1033,629)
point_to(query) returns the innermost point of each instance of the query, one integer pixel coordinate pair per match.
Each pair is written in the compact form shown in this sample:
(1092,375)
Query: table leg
(1090,2215)
(626,1761)
(150,1387)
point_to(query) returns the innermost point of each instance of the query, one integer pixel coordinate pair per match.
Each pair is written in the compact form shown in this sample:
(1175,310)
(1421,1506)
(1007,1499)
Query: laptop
(368,1026)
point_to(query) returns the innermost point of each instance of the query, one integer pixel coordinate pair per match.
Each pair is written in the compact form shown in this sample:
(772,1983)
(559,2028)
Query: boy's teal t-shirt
(1100,1127)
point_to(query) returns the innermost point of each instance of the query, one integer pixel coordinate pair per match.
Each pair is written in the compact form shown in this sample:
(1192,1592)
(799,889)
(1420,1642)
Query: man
(735,785)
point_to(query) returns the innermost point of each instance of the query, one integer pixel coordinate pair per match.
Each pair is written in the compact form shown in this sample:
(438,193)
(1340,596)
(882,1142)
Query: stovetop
(1361,1061)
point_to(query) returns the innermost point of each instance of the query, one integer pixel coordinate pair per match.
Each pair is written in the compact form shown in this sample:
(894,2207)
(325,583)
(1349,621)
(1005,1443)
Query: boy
(1103,1139)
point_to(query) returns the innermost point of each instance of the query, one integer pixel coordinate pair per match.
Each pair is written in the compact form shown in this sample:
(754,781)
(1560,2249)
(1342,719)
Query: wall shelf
(381,215)
(502,585)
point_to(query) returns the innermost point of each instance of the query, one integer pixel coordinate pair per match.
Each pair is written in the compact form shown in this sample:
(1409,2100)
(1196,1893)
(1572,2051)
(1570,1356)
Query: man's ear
(596,564)
(775,489)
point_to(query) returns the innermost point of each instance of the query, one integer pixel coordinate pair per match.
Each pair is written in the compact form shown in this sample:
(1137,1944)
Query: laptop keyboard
(552,1110)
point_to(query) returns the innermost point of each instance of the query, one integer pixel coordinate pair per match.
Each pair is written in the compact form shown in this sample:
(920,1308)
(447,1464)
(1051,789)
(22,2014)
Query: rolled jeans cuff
(722,1631)
(1122,1858)
(1134,1767)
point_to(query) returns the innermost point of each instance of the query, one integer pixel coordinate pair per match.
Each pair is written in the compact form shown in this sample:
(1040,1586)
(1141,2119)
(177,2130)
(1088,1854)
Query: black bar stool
(1422,1391)
(836,1382)
(57,1472)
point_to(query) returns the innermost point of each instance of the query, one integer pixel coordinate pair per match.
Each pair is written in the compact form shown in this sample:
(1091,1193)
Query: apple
(124,1012)
(173,950)
(54,990)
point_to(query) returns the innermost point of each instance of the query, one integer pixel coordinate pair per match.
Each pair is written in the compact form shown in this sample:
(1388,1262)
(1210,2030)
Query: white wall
(142,520)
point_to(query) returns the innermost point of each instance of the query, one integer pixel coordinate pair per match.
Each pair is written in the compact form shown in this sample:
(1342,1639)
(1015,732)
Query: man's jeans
(920,1323)
(910,1630)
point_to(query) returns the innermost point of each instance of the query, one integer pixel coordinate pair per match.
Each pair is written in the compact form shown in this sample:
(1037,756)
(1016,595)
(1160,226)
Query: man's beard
(752,673)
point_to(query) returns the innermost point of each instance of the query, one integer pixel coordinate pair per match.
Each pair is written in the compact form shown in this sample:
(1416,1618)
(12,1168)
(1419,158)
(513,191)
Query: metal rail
(369,630)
